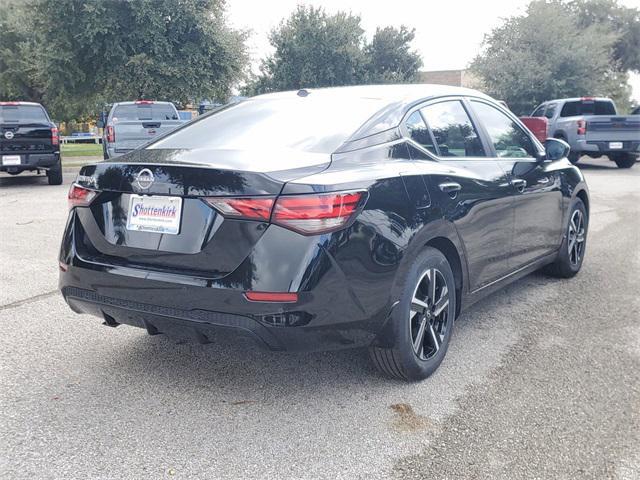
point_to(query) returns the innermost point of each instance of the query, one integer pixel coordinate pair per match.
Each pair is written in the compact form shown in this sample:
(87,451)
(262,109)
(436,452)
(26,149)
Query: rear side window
(144,112)
(588,107)
(419,132)
(454,133)
(23,114)
(509,140)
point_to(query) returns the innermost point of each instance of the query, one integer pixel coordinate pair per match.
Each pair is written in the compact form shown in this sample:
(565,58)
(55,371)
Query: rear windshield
(23,114)
(317,125)
(588,107)
(153,111)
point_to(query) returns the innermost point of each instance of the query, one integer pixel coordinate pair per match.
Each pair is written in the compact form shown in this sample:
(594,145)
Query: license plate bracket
(11,160)
(154,214)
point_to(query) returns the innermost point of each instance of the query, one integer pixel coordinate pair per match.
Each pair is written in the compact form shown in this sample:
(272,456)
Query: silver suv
(130,125)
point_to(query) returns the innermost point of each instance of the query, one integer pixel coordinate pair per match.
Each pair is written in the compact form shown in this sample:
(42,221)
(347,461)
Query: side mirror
(101,120)
(555,149)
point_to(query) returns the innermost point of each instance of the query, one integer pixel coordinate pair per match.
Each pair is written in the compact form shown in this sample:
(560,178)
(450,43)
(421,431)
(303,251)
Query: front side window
(454,133)
(419,132)
(507,137)
(538,112)
(550,111)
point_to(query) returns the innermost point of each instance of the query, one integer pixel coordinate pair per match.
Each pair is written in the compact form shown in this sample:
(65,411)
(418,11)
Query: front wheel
(422,322)
(573,248)
(625,160)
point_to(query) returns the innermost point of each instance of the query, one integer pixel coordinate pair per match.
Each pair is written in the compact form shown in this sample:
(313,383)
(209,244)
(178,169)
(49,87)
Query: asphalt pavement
(542,379)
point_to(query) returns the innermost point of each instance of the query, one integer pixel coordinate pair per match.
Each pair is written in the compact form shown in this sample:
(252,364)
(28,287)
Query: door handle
(519,183)
(544,180)
(450,188)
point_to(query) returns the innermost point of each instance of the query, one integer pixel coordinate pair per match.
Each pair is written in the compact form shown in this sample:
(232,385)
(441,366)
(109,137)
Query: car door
(536,185)
(469,188)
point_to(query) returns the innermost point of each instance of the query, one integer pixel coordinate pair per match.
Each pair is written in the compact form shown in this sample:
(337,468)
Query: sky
(463,22)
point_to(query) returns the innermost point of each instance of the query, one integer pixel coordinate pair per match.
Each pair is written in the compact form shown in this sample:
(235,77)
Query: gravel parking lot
(542,379)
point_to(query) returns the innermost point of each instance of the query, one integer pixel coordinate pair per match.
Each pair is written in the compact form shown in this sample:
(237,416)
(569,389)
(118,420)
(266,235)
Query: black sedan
(330,218)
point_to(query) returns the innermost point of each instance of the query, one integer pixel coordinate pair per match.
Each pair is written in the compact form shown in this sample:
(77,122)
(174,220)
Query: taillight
(318,213)
(111,134)
(250,208)
(80,196)
(55,139)
(582,127)
(305,214)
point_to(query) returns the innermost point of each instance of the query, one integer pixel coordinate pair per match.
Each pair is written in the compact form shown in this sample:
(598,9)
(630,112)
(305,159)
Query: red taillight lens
(80,196)
(315,214)
(582,127)
(250,208)
(111,134)
(305,214)
(55,139)
(282,297)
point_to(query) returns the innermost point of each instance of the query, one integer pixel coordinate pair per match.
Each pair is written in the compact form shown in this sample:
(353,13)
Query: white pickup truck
(592,126)
(130,125)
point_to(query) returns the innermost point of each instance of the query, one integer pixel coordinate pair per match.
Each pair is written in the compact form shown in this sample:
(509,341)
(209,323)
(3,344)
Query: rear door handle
(544,180)
(450,188)
(519,183)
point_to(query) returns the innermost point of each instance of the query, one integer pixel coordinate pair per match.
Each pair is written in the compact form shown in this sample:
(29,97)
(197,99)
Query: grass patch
(81,150)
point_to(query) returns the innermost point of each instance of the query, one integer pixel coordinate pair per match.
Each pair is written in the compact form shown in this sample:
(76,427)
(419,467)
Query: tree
(390,58)
(315,49)
(544,54)
(91,51)
(623,22)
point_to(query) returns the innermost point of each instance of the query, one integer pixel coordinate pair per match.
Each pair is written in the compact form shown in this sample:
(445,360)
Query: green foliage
(544,54)
(86,52)
(315,49)
(623,22)
(390,58)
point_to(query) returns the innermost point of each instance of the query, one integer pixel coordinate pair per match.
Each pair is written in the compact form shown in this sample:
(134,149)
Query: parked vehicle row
(319,219)
(29,141)
(592,126)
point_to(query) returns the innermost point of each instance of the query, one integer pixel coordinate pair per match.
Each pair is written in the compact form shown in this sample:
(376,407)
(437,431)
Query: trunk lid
(613,128)
(206,244)
(25,138)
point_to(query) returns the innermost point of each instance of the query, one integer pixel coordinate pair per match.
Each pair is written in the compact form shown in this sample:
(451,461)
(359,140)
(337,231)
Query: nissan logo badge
(144,179)
(8,135)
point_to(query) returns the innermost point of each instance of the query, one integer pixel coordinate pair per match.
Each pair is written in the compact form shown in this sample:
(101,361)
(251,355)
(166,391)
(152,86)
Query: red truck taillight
(55,139)
(306,214)
(111,134)
(582,127)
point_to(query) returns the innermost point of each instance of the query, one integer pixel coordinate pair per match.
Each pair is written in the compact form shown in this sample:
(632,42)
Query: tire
(411,359)
(569,260)
(625,160)
(574,157)
(54,174)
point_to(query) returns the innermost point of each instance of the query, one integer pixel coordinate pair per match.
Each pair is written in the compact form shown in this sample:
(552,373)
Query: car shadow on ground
(232,362)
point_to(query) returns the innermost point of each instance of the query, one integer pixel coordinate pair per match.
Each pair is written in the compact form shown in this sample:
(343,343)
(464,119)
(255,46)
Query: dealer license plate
(11,160)
(155,214)
(615,145)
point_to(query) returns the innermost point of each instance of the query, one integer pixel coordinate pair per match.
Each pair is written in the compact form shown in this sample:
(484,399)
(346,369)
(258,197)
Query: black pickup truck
(29,141)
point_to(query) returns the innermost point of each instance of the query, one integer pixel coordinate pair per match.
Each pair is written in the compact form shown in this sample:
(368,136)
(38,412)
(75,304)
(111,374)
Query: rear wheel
(572,250)
(422,322)
(54,174)
(625,160)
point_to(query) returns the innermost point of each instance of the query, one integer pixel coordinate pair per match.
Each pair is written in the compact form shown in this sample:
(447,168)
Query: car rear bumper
(31,161)
(603,147)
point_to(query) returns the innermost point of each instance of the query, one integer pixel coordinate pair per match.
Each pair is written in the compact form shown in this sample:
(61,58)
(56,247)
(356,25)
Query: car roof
(579,99)
(19,103)
(394,100)
(137,102)
(405,93)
